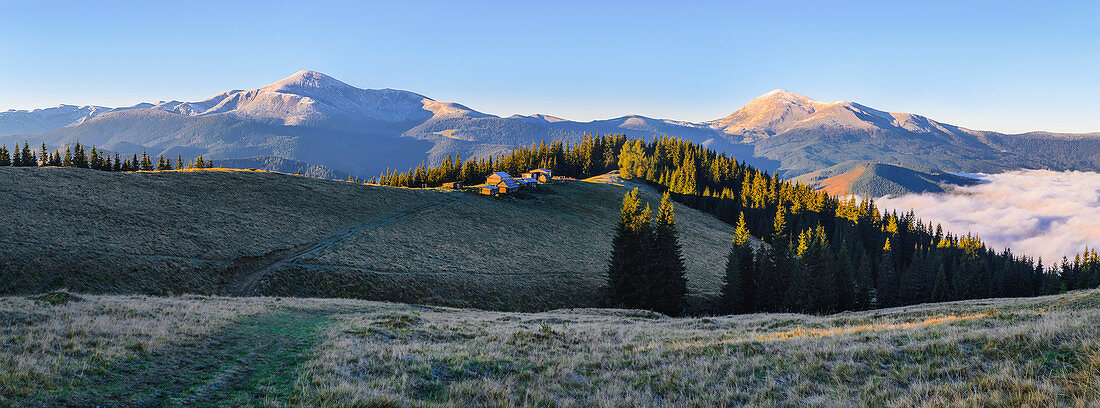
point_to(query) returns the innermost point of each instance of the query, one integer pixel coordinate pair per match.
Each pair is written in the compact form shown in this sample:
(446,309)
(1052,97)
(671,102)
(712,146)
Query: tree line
(75,155)
(592,155)
(819,253)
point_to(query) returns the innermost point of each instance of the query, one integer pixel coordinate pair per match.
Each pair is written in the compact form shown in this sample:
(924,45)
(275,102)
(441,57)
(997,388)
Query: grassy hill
(880,179)
(258,233)
(82,350)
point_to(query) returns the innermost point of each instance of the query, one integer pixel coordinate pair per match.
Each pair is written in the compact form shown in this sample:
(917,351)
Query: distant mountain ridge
(315,119)
(870,179)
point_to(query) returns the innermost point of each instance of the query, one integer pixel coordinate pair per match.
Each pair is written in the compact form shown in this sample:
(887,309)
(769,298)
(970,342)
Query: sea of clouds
(1039,213)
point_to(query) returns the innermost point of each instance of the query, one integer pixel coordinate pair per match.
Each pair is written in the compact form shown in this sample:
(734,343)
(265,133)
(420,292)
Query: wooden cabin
(453,184)
(508,185)
(497,177)
(542,175)
(488,190)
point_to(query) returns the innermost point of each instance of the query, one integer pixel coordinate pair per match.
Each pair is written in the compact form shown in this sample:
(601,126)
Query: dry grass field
(140,351)
(548,250)
(259,233)
(165,232)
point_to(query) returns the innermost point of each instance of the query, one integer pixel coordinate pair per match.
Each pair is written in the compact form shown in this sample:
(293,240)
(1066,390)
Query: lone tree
(665,286)
(629,247)
(741,278)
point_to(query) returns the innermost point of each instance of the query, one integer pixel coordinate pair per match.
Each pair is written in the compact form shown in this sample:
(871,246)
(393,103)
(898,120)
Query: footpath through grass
(250,363)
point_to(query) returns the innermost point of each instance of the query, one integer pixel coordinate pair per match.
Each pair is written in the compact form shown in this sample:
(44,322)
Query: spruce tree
(93,160)
(800,295)
(16,159)
(146,164)
(887,279)
(44,157)
(68,161)
(865,282)
(940,290)
(26,157)
(740,282)
(665,280)
(5,158)
(627,267)
(80,159)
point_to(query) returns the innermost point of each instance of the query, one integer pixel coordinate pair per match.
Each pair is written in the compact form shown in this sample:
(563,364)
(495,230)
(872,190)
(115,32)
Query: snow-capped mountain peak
(306,81)
(769,114)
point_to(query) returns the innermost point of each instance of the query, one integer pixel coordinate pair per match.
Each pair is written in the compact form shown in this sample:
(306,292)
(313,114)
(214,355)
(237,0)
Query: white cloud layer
(1035,212)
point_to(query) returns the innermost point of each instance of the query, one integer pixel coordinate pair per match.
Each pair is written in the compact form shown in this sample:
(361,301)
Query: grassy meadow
(235,232)
(136,350)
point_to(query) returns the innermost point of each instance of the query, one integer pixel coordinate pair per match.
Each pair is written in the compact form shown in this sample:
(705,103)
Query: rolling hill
(312,118)
(259,233)
(871,179)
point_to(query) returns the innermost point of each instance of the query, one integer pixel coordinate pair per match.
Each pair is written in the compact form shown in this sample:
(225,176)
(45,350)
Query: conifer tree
(146,164)
(26,157)
(179,161)
(5,158)
(68,161)
(628,253)
(865,283)
(779,237)
(665,281)
(44,157)
(887,278)
(740,282)
(93,160)
(80,159)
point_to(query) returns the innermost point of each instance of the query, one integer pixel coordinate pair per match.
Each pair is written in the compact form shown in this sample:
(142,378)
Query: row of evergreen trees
(76,156)
(589,156)
(816,253)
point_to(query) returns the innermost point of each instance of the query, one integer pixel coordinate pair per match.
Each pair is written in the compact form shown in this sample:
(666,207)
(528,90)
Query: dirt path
(243,365)
(248,272)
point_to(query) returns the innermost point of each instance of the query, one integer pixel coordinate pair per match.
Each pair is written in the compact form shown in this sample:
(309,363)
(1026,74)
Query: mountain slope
(880,179)
(241,232)
(807,135)
(44,120)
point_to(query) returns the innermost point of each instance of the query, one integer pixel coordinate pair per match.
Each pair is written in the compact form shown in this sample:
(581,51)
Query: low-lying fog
(1039,213)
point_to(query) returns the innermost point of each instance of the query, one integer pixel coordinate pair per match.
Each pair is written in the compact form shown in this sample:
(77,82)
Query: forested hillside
(824,254)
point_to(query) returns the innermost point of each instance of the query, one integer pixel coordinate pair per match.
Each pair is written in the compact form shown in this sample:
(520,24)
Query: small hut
(540,174)
(488,190)
(508,185)
(497,177)
(453,185)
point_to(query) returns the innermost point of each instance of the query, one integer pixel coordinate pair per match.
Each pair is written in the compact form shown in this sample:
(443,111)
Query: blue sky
(988,65)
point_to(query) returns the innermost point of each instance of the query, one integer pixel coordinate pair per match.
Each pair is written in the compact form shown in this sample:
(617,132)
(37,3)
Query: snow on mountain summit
(306,81)
(309,97)
(769,114)
(780,111)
